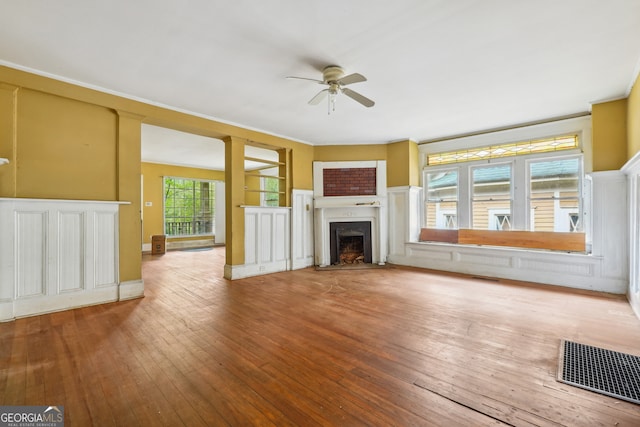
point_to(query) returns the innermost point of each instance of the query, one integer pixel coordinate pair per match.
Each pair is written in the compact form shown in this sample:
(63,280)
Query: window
(554,194)
(188,207)
(574,224)
(450,221)
(441,203)
(534,146)
(491,199)
(501,222)
(270,188)
(540,191)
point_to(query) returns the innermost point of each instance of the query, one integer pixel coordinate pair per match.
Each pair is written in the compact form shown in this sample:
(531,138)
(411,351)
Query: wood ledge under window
(556,241)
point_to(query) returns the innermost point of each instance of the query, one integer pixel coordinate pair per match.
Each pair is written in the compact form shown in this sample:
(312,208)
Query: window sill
(546,240)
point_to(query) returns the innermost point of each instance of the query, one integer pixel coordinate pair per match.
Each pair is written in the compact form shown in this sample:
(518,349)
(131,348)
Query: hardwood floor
(395,346)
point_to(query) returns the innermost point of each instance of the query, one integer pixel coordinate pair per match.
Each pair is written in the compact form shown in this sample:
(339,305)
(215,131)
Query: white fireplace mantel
(371,209)
(350,201)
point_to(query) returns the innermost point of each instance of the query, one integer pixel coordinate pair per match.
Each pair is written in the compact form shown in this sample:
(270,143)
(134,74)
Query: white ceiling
(435,68)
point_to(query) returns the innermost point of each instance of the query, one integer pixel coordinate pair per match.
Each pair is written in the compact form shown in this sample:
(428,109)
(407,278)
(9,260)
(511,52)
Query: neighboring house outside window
(535,192)
(441,204)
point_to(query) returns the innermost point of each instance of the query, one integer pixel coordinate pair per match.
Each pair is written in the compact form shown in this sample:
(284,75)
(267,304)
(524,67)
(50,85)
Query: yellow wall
(65,141)
(152,175)
(609,125)
(335,153)
(252,198)
(402,164)
(402,159)
(633,119)
(8,102)
(67,149)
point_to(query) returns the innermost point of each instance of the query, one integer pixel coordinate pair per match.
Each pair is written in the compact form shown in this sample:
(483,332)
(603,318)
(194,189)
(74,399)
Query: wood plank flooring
(380,347)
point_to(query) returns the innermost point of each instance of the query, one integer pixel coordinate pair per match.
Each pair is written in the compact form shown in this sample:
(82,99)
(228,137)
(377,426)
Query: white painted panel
(54,253)
(398,227)
(426,253)
(7,259)
(31,254)
(302,243)
(267,232)
(485,260)
(281,233)
(71,255)
(251,237)
(105,248)
(632,170)
(557,267)
(220,212)
(610,223)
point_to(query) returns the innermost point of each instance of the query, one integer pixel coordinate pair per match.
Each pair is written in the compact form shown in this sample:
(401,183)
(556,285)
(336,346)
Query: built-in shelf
(269,162)
(259,175)
(262,165)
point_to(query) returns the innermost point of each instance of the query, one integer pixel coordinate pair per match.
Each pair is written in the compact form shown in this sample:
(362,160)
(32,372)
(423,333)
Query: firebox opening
(350,243)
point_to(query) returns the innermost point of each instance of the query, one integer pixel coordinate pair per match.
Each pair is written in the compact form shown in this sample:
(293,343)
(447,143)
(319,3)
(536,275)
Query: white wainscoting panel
(56,255)
(266,242)
(605,270)
(302,229)
(30,254)
(405,204)
(632,171)
(611,223)
(251,237)
(105,244)
(71,267)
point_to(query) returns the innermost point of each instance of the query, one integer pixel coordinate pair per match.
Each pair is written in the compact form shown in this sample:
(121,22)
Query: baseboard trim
(234,272)
(131,289)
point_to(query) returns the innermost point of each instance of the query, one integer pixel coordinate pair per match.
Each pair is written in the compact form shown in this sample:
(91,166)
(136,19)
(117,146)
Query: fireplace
(350,242)
(350,218)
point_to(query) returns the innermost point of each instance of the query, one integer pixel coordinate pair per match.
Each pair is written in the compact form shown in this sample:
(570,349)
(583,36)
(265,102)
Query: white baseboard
(233,272)
(6,311)
(66,301)
(299,264)
(131,289)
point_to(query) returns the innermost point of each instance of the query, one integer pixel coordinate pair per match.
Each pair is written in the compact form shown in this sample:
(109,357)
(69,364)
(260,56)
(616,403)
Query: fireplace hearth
(350,242)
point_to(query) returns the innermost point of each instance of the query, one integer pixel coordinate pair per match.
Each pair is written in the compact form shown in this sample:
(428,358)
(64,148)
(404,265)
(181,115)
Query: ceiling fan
(333,77)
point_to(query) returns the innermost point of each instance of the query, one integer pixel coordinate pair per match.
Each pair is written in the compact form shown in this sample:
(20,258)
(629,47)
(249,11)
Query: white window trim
(580,126)
(164,218)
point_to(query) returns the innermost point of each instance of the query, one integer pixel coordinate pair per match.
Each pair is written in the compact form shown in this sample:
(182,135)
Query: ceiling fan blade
(359,98)
(352,78)
(304,78)
(319,97)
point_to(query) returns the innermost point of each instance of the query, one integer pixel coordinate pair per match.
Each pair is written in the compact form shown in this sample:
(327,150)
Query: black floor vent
(603,371)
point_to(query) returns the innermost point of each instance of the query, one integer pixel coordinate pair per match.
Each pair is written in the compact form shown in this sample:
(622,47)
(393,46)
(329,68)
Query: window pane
(441,207)
(272,187)
(188,207)
(491,197)
(554,196)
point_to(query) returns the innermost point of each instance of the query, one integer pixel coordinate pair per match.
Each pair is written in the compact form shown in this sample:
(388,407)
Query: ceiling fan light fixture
(333,93)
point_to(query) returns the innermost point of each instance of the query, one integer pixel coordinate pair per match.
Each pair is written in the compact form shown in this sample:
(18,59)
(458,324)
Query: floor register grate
(602,371)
